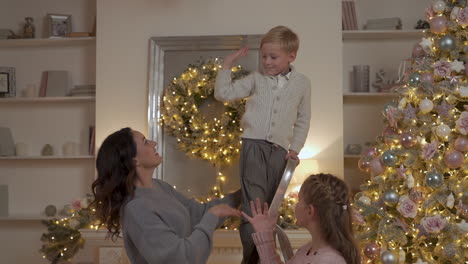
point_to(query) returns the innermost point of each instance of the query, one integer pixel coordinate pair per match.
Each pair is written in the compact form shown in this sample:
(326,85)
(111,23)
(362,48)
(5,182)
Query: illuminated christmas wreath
(215,139)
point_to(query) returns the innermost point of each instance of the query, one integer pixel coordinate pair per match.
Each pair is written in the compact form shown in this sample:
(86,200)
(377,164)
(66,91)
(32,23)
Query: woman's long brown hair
(115,178)
(330,197)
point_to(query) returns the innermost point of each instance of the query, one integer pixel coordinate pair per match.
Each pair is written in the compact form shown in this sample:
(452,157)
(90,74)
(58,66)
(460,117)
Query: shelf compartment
(48,99)
(81,157)
(381,34)
(355,95)
(12,43)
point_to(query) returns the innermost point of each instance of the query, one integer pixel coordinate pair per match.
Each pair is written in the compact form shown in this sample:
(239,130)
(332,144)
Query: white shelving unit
(380,49)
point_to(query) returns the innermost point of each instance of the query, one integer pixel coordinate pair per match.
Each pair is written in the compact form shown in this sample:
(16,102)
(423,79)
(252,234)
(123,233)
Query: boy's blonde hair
(285,37)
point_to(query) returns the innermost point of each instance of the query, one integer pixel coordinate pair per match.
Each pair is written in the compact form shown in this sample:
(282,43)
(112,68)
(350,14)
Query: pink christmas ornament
(438,24)
(418,51)
(376,166)
(427,77)
(408,140)
(370,152)
(461,144)
(453,159)
(364,163)
(371,250)
(390,135)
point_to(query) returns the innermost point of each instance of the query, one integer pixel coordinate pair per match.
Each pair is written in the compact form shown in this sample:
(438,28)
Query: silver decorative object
(50,210)
(391,197)
(447,43)
(414,79)
(389,158)
(388,258)
(353,149)
(434,179)
(360,78)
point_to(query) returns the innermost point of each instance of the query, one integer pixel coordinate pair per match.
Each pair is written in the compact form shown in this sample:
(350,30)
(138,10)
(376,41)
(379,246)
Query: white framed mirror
(169,57)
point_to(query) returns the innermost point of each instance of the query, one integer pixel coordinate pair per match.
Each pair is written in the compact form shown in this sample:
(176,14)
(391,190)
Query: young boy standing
(275,123)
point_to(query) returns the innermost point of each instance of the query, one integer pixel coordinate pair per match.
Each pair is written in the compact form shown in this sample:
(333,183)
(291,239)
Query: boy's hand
(293,155)
(260,220)
(231,58)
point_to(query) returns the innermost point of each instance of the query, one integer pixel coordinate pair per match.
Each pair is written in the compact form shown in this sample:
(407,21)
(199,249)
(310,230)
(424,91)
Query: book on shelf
(92,136)
(78,34)
(55,84)
(349,17)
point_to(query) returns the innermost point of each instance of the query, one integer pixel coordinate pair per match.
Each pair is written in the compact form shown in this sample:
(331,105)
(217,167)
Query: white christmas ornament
(450,201)
(443,130)
(410,181)
(365,199)
(463,91)
(463,226)
(457,65)
(420,262)
(401,256)
(438,6)
(402,103)
(454,13)
(426,106)
(426,44)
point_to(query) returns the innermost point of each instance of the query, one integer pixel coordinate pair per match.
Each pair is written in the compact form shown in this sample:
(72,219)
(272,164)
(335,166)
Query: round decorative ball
(364,163)
(443,130)
(50,210)
(447,43)
(376,167)
(389,158)
(438,6)
(390,197)
(365,199)
(417,194)
(434,179)
(408,140)
(370,152)
(390,135)
(414,79)
(418,51)
(371,250)
(461,144)
(463,211)
(438,24)
(427,77)
(453,159)
(388,257)
(426,106)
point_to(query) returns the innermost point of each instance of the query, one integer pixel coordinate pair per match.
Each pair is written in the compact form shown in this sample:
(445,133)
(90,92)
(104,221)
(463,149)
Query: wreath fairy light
(215,139)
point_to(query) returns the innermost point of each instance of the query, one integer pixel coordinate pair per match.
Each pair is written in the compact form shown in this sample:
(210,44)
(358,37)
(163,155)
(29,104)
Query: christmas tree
(415,206)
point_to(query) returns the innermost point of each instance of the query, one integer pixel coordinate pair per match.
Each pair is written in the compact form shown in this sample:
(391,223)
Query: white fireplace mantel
(227,247)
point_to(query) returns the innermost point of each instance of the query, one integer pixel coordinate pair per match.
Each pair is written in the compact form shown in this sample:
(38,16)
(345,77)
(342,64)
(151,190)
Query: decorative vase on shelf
(360,79)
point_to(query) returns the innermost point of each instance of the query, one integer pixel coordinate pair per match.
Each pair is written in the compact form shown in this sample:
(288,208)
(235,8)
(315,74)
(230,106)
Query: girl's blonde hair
(330,197)
(285,37)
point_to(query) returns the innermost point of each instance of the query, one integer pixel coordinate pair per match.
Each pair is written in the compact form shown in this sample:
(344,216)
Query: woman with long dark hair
(158,224)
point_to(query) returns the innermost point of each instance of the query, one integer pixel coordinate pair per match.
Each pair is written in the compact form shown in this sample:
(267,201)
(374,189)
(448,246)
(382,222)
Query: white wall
(122,57)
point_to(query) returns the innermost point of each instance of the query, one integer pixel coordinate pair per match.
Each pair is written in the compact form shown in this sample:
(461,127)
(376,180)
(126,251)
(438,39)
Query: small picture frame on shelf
(7,82)
(59,25)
